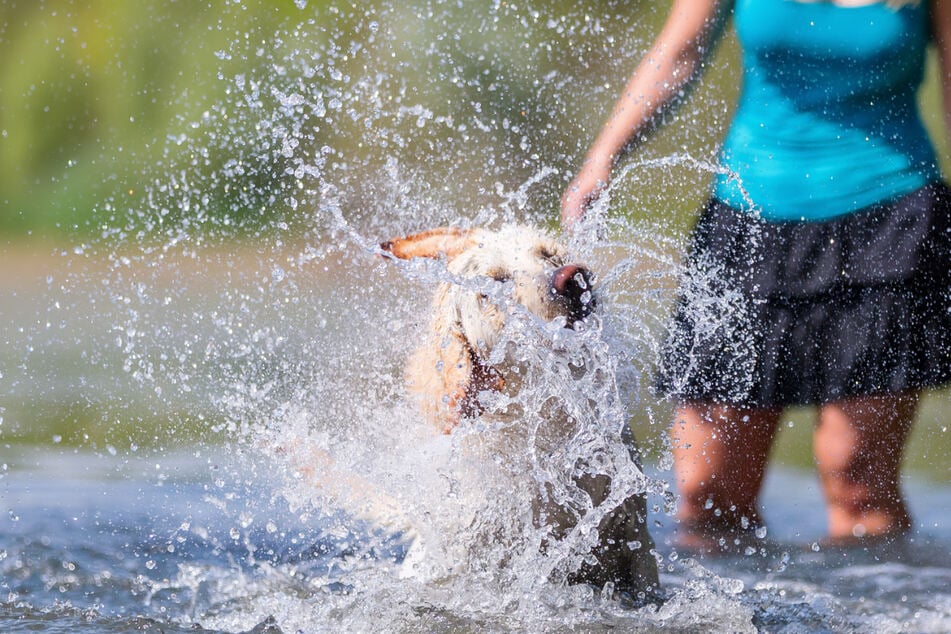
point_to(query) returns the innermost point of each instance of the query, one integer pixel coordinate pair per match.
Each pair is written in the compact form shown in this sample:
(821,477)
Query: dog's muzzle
(573,287)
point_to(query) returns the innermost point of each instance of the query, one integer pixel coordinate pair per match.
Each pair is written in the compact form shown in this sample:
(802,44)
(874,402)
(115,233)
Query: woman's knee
(858,446)
(720,458)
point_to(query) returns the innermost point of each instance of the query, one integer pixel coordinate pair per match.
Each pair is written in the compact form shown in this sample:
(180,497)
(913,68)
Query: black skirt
(773,314)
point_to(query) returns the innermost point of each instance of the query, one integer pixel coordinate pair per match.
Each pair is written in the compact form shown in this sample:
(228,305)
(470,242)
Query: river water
(160,543)
(165,498)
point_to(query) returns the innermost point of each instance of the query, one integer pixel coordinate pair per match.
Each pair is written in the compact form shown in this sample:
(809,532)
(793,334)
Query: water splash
(238,295)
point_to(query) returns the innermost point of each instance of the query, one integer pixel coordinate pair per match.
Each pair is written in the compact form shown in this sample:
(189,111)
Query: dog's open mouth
(572,286)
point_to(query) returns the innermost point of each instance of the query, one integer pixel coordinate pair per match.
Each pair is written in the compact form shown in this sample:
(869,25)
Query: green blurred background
(90,91)
(107,107)
(93,93)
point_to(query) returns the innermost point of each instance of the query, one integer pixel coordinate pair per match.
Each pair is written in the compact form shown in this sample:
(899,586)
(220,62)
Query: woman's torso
(827,121)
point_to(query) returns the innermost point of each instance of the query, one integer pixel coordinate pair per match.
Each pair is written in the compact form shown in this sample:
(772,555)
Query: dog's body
(462,363)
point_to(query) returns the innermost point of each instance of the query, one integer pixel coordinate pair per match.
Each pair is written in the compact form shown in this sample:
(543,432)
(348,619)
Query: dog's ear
(447,380)
(445,241)
(440,374)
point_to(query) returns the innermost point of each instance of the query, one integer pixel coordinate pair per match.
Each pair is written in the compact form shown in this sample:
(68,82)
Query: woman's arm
(674,60)
(941,27)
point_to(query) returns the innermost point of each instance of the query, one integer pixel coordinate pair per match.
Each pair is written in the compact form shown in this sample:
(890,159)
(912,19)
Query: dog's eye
(549,255)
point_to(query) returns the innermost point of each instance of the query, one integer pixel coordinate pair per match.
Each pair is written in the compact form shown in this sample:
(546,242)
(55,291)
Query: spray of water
(244,295)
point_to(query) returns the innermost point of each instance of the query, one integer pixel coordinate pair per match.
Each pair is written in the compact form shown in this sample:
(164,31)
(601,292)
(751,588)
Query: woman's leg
(720,456)
(858,446)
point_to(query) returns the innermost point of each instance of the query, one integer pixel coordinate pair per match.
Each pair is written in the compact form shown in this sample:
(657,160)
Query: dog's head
(530,268)
(513,264)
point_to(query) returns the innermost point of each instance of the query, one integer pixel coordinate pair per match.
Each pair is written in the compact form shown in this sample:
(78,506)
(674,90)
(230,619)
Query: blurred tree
(89,90)
(152,114)
(100,99)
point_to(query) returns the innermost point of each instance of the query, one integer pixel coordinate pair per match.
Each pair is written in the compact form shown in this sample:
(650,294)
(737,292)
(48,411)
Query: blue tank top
(827,121)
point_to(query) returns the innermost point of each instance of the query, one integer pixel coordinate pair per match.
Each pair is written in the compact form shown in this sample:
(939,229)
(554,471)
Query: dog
(464,362)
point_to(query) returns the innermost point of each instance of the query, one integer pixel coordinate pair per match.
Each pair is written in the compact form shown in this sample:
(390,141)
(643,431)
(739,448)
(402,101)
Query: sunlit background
(125,125)
(133,128)
(100,99)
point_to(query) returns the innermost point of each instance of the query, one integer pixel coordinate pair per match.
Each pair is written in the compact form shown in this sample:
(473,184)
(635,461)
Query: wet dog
(492,275)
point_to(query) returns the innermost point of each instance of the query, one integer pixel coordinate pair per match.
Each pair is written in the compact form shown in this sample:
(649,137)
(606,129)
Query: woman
(831,220)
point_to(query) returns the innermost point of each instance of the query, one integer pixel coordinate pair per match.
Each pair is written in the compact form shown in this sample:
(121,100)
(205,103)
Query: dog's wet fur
(452,367)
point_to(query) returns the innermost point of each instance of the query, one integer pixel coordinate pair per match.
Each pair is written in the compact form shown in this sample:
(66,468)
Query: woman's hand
(660,80)
(584,190)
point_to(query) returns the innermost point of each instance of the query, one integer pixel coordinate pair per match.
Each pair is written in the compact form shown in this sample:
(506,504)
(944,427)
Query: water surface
(180,543)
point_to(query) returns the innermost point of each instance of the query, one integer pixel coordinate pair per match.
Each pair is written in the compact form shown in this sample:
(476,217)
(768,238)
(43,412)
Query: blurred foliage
(91,90)
(97,98)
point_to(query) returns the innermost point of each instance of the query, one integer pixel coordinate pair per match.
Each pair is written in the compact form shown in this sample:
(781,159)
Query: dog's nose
(573,285)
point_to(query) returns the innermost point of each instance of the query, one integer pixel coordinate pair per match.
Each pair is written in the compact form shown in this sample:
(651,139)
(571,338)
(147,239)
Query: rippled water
(135,528)
(109,544)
